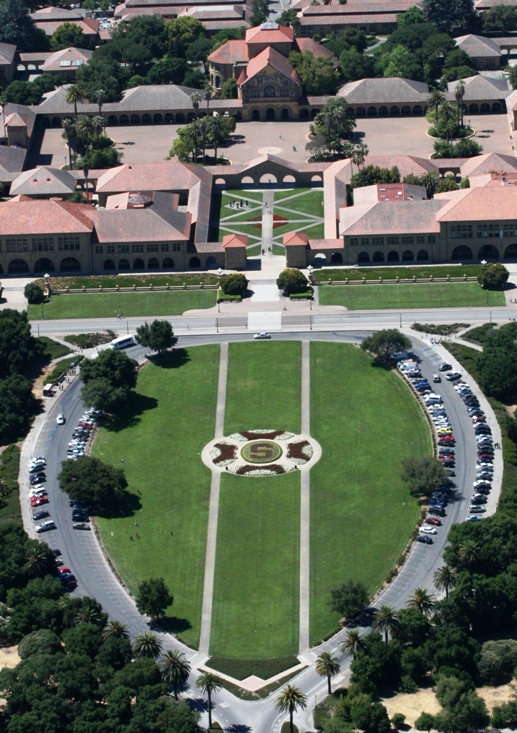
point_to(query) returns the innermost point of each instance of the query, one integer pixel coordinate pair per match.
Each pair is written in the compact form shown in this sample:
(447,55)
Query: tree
(23,92)
(444,579)
(370,717)
(493,276)
(425,721)
(452,17)
(234,284)
(229,89)
(385,343)
(499,20)
(374,174)
(112,368)
(459,93)
(40,560)
(181,33)
(327,666)
(167,71)
(435,101)
(292,281)
(209,683)
(289,700)
(153,597)
(158,336)
(422,600)
(34,293)
(175,669)
(16,25)
(334,124)
(115,630)
(146,645)
(74,96)
(463,709)
(353,643)
(424,475)
(398,720)
(412,16)
(386,618)
(400,62)
(356,65)
(43,641)
(90,480)
(68,35)
(290,19)
(497,662)
(17,407)
(430,181)
(350,598)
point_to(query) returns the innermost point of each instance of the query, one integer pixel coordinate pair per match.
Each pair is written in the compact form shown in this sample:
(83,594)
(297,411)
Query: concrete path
(267,222)
(208,588)
(305,502)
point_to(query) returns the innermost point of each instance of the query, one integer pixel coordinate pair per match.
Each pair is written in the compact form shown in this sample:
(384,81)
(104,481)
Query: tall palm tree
(386,619)
(209,683)
(99,123)
(203,129)
(422,600)
(146,645)
(289,700)
(353,643)
(327,666)
(69,133)
(175,669)
(99,98)
(430,180)
(445,579)
(459,93)
(115,630)
(209,93)
(88,614)
(195,99)
(359,154)
(74,96)
(469,552)
(215,130)
(435,100)
(37,561)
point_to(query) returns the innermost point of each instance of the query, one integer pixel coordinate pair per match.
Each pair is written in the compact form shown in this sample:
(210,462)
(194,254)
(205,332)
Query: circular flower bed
(261,451)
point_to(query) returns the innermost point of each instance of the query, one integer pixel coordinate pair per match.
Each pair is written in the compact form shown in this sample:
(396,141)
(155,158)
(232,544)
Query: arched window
(393,256)
(123,265)
(269,91)
(408,256)
(363,258)
(70,264)
(194,262)
(488,252)
(510,252)
(153,264)
(18,267)
(461,253)
(109,265)
(44,265)
(422,256)
(378,257)
(138,264)
(168,263)
(336,259)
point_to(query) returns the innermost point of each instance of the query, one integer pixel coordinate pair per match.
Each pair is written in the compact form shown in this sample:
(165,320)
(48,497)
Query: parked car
(42,514)
(429,530)
(451,376)
(38,501)
(45,526)
(80,517)
(60,419)
(37,467)
(438,511)
(437,378)
(424,539)
(81,525)
(444,367)
(476,508)
(473,518)
(262,335)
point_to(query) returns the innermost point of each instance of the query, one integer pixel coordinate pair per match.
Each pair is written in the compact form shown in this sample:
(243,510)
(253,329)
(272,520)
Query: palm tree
(74,96)
(422,600)
(353,643)
(195,99)
(436,99)
(37,561)
(146,645)
(445,579)
(88,614)
(430,180)
(115,630)
(99,123)
(385,620)
(469,552)
(359,154)
(289,700)
(69,133)
(209,93)
(209,683)
(99,98)
(327,666)
(215,129)
(203,129)
(459,93)
(175,669)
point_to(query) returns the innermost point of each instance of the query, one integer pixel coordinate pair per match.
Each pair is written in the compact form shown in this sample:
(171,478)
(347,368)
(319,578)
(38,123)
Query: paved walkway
(305,502)
(208,588)
(267,222)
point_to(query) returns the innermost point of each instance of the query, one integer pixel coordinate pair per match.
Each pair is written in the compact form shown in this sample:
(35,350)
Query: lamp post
(219,274)
(47,285)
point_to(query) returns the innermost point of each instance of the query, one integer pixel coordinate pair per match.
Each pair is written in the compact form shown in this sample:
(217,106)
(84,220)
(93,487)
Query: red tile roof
(231,52)
(271,57)
(295,239)
(235,240)
(269,33)
(478,204)
(35,216)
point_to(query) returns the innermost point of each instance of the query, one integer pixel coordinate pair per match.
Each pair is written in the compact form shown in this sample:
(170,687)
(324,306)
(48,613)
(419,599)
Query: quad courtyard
(250,558)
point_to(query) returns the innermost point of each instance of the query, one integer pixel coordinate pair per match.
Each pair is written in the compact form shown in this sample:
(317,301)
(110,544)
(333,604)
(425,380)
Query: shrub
(43,641)
(301,296)
(493,276)
(234,284)
(292,281)
(34,294)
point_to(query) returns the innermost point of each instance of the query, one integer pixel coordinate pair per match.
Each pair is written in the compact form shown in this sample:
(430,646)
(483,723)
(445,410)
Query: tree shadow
(238,728)
(130,414)
(125,506)
(170,359)
(197,704)
(174,624)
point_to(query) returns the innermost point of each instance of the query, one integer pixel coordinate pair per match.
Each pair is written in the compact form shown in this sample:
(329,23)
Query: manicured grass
(315,232)
(104,305)
(362,514)
(256,586)
(160,436)
(127,281)
(264,387)
(10,498)
(264,668)
(480,334)
(53,349)
(391,272)
(436,295)
(309,202)
(253,232)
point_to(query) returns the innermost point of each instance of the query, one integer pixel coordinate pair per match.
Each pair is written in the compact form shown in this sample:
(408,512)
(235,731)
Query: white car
(262,335)
(429,530)
(60,420)
(45,526)
(38,491)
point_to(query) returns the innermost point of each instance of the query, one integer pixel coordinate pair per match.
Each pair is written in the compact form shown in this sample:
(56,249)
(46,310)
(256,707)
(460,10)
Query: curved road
(82,553)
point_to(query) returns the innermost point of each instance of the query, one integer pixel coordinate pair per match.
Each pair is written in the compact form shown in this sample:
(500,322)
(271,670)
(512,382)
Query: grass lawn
(76,282)
(52,349)
(391,272)
(104,305)
(436,295)
(160,437)
(264,386)
(253,232)
(59,367)
(256,589)
(362,514)
(10,504)
(314,232)
(308,202)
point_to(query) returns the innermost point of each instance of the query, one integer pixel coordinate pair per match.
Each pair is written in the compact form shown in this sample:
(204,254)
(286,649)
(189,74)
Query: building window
(269,91)
(353,242)
(164,247)
(420,239)
(14,244)
(68,244)
(176,247)
(392,241)
(285,93)
(407,240)
(431,239)
(111,249)
(152,248)
(488,230)
(378,241)
(137,248)
(43,244)
(123,249)
(99,250)
(365,241)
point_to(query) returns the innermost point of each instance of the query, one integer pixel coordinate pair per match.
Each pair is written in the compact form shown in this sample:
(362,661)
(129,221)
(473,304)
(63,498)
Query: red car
(39,500)
(446,439)
(64,570)
(432,520)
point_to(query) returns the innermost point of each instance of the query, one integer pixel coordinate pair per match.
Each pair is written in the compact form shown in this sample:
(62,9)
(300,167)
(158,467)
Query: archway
(304,114)
(289,182)
(422,256)
(314,112)
(168,263)
(496,108)
(70,264)
(18,267)
(44,265)
(191,117)
(485,108)
(268,180)
(194,262)
(238,116)
(169,119)
(135,119)
(109,265)
(510,252)
(112,120)
(417,111)
(488,252)
(269,91)
(336,259)
(220,183)
(405,111)
(218,81)
(371,112)
(146,119)
(211,263)
(285,113)
(462,252)
(124,265)
(45,122)
(394,111)
(270,114)
(360,112)
(180,118)
(56,122)
(378,257)
(247,182)
(320,259)
(316,181)
(123,120)
(153,264)
(408,256)
(474,109)
(383,112)
(138,264)
(1,270)
(157,119)
(255,115)
(363,258)
(393,256)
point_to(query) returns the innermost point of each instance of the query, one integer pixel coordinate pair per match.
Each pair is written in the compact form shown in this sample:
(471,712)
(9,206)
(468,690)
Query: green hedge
(224,298)
(52,349)
(90,340)
(391,272)
(301,296)
(9,499)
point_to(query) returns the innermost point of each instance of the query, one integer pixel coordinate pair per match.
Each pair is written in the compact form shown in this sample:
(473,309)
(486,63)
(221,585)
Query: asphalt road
(95,577)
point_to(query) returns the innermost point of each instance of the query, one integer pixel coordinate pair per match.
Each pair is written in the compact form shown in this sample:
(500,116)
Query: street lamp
(47,285)
(219,274)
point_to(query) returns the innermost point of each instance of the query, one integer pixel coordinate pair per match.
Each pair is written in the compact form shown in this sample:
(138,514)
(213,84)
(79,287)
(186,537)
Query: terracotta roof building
(44,182)
(484,52)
